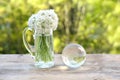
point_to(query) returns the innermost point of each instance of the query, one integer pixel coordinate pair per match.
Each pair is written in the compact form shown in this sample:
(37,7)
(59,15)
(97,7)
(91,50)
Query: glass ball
(73,55)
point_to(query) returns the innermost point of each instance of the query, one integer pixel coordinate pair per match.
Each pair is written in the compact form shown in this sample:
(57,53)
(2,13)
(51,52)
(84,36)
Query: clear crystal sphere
(74,55)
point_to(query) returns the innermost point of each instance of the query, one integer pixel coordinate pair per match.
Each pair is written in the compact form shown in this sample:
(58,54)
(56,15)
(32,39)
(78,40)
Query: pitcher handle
(29,47)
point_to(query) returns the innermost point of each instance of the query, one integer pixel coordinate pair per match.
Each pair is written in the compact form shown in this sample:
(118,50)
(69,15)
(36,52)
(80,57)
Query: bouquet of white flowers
(44,19)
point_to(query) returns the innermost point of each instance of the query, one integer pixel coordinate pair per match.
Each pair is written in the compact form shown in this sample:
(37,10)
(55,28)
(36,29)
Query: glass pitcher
(42,51)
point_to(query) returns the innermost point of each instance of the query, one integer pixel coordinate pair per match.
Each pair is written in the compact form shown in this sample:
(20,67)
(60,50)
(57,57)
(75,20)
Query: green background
(95,24)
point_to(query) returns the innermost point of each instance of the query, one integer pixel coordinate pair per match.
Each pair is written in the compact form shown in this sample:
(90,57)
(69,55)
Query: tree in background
(93,24)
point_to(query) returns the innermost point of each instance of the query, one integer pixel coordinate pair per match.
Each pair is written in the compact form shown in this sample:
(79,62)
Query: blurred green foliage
(95,24)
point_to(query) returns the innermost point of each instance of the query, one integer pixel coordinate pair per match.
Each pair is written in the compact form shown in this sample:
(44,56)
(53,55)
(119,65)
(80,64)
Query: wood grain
(96,67)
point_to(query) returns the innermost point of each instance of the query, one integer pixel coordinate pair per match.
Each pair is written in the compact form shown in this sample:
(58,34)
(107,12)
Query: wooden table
(96,67)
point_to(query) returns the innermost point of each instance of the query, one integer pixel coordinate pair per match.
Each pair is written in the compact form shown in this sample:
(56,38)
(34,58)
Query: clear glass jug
(42,51)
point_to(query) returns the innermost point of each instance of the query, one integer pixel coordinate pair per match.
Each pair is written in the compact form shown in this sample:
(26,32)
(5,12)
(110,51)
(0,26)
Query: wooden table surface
(96,67)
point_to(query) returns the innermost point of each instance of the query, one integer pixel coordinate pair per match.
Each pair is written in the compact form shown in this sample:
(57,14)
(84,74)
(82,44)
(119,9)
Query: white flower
(44,19)
(31,21)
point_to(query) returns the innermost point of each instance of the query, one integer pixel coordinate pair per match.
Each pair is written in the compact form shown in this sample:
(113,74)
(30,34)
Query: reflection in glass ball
(74,55)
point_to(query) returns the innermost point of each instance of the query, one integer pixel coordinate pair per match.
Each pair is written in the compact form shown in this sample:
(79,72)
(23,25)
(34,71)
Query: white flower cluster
(44,19)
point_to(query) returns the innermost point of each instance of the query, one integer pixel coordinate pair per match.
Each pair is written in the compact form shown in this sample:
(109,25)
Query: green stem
(43,48)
